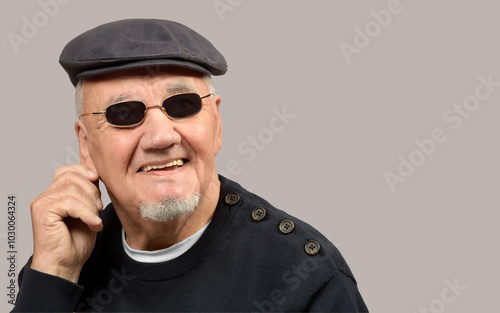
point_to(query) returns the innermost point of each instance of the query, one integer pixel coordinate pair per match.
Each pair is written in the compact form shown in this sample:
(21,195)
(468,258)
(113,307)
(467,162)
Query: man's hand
(65,222)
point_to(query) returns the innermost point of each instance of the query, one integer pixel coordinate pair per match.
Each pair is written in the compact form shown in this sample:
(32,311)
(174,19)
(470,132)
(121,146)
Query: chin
(163,195)
(169,209)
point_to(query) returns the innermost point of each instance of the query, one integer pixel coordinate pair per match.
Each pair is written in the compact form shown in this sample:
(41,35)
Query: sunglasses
(133,113)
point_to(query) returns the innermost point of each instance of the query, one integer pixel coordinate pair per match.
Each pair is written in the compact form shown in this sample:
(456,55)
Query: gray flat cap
(136,43)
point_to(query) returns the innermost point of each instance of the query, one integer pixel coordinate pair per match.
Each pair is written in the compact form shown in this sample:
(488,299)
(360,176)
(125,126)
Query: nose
(158,130)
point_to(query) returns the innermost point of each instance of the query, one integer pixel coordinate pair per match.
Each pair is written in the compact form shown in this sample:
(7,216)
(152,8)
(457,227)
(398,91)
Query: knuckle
(66,176)
(71,189)
(95,193)
(60,172)
(34,204)
(40,202)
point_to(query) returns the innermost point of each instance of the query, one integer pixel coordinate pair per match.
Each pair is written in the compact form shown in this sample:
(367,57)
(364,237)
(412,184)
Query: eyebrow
(177,87)
(180,87)
(116,99)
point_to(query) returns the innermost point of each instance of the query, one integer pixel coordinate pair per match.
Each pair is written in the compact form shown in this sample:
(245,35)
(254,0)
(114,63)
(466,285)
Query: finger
(68,178)
(77,208)
(67,201)
(81,169)
(77,203)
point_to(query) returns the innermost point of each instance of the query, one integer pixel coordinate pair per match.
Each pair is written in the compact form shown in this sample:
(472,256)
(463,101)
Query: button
(258,214)
(312,247)
(286,226)
(232,198)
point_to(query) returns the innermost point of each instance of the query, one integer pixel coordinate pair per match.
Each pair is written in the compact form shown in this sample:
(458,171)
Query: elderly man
(176,236)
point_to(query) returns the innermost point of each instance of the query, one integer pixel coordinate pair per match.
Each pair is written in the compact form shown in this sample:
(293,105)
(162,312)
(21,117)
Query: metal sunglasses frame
(148,108)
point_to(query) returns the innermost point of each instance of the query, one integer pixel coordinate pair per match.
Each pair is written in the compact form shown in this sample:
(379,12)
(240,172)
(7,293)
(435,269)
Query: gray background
(352,122)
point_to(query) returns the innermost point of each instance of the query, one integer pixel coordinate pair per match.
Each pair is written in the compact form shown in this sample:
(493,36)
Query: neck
(142,234)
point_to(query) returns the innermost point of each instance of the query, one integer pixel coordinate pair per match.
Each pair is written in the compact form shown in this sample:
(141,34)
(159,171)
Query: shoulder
(271,232)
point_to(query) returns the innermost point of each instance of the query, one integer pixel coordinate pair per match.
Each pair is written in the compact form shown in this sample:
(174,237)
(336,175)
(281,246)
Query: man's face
(120,154)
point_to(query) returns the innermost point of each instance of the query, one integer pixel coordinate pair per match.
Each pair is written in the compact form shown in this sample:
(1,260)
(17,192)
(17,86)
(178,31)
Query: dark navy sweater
(240,264)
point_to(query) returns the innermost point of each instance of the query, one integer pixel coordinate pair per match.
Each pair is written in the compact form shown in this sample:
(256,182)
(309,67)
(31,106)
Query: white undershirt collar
(163,255)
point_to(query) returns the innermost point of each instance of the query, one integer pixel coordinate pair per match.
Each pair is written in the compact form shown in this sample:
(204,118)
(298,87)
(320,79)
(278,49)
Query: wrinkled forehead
(139,84)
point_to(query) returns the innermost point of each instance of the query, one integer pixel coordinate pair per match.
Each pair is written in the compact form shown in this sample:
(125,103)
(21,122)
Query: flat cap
(136,43)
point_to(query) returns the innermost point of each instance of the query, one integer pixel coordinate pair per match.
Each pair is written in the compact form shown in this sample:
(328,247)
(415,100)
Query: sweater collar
(224,213)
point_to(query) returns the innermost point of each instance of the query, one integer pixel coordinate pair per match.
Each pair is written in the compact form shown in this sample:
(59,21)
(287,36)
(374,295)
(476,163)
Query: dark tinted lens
(183,105)
(125,113)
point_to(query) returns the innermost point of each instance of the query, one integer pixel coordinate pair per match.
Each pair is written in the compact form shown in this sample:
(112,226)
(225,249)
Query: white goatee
(169,209)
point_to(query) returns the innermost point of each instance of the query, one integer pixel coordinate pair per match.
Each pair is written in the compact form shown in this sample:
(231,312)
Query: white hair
(169,209)
(210,84)
(79,98)
(79,93)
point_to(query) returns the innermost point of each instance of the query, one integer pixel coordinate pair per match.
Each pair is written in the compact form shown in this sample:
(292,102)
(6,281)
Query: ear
(83,145)
(218,124)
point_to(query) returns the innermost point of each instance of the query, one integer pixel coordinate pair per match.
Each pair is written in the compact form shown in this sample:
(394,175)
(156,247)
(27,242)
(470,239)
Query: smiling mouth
(163,167)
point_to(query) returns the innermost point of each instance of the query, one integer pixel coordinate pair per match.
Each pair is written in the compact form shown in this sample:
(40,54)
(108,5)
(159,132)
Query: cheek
(112,154)
(202,139)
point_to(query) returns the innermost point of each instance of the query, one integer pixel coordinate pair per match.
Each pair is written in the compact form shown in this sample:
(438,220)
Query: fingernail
(97,219)
(99,204)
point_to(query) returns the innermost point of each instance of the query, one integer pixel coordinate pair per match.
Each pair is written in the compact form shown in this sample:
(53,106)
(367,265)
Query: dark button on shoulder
(258,214)
(286,226)
(312,247)
(232,198)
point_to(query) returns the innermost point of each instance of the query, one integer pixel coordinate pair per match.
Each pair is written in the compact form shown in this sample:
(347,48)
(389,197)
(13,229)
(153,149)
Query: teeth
(154,167)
